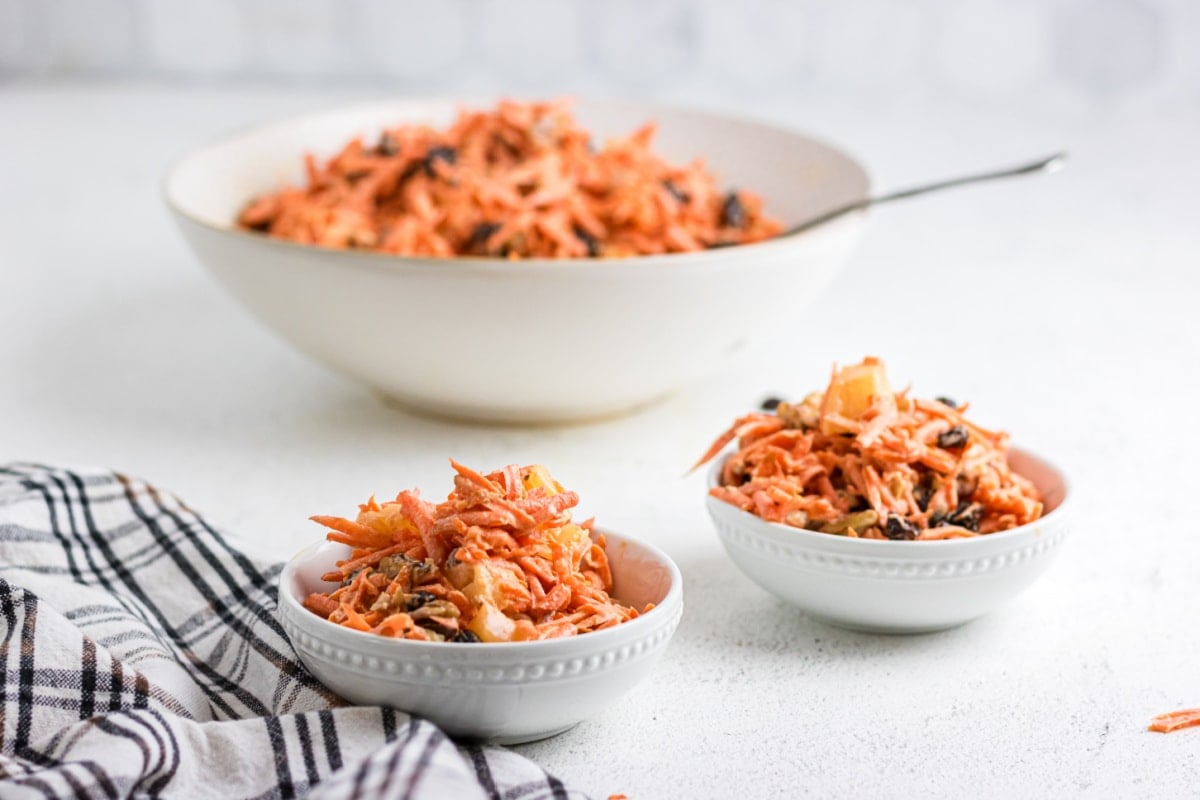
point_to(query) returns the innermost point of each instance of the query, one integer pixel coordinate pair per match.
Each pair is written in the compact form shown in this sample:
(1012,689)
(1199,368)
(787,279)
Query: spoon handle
(1050,164)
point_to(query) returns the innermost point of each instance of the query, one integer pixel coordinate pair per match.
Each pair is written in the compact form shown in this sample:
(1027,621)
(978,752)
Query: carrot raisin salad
(499,561)
(861,460)
(520,180)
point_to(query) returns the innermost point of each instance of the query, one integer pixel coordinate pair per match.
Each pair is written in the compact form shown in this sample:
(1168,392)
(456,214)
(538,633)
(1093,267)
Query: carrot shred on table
(860,460)
(520,180)
(1176,720)
(499,560)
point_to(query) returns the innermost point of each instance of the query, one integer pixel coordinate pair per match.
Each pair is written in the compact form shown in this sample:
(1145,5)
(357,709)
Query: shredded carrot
(860,460)
(499,560)
(1176,720)
(520,180)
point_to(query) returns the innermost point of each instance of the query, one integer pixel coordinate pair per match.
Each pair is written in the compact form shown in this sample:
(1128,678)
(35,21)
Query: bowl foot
(524,738)
(474,415)
(890,630)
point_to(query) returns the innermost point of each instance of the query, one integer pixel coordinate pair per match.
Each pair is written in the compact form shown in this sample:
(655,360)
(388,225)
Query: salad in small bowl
(877,510)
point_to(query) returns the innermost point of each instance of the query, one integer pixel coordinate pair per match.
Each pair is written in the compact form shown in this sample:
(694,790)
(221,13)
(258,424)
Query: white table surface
(1064,308)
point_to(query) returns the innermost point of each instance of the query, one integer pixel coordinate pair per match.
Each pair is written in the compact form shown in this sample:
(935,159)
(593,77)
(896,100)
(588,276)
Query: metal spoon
(1051,164)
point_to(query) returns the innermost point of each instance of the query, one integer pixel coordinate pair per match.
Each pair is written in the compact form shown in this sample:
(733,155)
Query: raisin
(516,244)
(477,242)
(921,493)
(466,637)
(435,154)
(967,515)
(439,628)
(900,529)
(966,488)
(955,437)
(938,519)
(733,213)
(593,244)
(412,169)
(946,401)
(387,146)
(418,599)
(499,143)
(770,403)
(676,192)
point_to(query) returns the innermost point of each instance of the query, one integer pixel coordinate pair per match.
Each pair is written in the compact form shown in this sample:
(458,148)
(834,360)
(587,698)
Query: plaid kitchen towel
(143,657)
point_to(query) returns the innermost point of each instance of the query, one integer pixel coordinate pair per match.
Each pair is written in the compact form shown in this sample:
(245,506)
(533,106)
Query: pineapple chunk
(491,625)
(572,538)
(478,586)
(853,391)
(496,585)
(538,477)
(459,573)
(388,519)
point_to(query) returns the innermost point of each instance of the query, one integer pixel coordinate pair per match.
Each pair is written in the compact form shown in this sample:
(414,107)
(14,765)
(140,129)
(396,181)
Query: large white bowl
(500,692)
(897,586)
(531,341)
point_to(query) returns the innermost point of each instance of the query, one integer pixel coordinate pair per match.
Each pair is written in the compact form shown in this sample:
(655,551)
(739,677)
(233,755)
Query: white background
(1087,51)
(1063,307)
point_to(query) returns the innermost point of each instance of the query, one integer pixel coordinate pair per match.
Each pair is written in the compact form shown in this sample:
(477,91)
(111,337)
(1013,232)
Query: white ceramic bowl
(531,341)
(504,692)
(893,586)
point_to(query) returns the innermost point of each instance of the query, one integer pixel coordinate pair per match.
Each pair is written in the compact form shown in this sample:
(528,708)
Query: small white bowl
(897,586)
(501,692)
(528,341)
